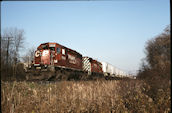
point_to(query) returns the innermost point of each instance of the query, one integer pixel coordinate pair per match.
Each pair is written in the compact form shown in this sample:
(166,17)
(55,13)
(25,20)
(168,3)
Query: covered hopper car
(111,70)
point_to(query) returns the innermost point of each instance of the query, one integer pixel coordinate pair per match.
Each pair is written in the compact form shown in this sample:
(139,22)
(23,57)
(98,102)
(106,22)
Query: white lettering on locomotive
(37,53)
(63,58)
(45,53)
(72,59)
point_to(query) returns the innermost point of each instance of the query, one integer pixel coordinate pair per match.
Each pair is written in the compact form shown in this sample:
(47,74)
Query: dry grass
(83,96)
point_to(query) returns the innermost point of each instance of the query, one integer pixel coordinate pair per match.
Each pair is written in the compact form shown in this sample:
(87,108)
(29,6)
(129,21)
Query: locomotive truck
(53,61)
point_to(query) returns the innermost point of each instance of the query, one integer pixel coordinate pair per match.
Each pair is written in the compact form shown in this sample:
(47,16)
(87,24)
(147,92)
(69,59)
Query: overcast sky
(111,31)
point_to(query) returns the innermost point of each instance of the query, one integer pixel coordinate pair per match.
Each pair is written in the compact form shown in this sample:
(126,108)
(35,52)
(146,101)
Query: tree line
(155,68)
(157,60)
(12,44)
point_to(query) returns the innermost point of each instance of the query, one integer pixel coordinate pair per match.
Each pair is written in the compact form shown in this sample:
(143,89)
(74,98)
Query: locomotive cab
(45,55)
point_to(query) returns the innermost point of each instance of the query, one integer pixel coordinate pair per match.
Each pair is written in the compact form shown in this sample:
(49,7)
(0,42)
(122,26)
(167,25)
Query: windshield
(58,50)
(44,47)
(52,48)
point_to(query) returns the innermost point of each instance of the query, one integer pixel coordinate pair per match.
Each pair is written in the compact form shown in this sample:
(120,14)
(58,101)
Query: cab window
(52,48)
(44,47)
(58,50)
(63,51)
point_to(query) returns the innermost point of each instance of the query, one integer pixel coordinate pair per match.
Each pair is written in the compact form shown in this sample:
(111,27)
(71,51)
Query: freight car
(110,70)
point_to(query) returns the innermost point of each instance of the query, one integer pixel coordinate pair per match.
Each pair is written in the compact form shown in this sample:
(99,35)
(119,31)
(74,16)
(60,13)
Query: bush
(155,69)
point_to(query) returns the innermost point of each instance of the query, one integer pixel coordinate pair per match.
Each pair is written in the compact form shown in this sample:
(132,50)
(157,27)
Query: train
(53,61)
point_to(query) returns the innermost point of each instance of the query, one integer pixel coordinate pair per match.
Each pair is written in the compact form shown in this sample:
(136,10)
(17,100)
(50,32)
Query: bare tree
(155,68)
(29,56)
(158,52)
(11,42)
(158,55)
(6,50)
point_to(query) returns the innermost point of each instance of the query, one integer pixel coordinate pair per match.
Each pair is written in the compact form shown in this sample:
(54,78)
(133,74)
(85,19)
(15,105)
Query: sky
(112,31)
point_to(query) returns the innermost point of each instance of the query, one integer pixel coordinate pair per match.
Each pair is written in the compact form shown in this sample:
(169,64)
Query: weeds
(82,96)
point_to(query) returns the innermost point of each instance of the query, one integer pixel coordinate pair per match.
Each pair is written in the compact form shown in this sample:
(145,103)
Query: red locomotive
(58,56)
(91,65)
(63,61)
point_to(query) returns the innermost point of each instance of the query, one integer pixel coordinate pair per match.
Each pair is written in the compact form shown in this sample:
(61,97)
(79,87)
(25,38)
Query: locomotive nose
(45,57)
